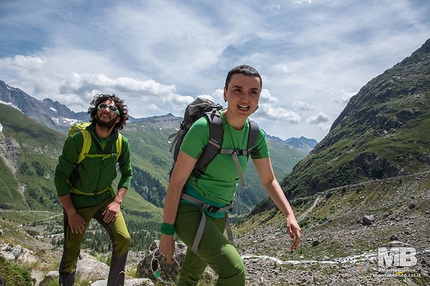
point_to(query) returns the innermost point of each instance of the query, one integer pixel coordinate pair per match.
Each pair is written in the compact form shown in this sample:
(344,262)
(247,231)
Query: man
(85,188)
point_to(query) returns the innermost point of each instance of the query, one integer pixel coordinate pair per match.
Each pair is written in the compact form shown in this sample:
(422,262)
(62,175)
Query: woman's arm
(272,187)
(182,170)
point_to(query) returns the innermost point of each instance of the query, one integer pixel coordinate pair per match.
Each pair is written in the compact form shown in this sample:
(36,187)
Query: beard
(105,125)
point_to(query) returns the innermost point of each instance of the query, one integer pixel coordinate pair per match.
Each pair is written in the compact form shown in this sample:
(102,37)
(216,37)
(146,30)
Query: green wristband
(167,229)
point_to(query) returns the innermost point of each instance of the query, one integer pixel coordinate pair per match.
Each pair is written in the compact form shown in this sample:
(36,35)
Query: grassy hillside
(29,153)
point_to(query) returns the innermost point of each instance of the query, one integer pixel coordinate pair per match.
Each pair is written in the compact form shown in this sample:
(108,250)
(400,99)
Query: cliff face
(381,133)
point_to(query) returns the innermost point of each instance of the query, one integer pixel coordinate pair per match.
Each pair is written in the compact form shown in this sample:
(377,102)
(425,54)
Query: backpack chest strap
(235,154)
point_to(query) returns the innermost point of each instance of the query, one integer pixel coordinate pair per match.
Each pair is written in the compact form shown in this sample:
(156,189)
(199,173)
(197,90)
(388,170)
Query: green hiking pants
(118,234)
(214,249)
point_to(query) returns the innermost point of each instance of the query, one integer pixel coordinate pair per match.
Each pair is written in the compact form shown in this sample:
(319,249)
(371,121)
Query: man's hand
(76,222)
(111,212)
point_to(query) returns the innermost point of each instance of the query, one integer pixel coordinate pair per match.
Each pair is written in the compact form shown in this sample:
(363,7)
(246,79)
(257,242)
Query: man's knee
(122,245)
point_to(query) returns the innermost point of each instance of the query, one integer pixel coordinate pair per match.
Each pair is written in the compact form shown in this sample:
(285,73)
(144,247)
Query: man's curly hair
(118,102)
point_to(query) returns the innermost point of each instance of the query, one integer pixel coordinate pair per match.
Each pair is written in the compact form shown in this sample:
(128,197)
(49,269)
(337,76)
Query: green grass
(14,275)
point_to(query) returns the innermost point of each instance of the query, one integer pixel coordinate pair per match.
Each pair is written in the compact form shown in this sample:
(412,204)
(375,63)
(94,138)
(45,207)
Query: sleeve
(261,149)
(67,163)
(196,138)
(125,166)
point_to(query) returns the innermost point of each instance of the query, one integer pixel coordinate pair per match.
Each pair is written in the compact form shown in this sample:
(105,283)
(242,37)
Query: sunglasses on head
(156,266)
(111,107)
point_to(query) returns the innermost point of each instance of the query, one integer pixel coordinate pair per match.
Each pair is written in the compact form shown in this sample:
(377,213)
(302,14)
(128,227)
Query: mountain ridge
(59,117)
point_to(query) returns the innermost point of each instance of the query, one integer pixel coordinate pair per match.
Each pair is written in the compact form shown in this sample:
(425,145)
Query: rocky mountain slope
(382,132)
(343,230)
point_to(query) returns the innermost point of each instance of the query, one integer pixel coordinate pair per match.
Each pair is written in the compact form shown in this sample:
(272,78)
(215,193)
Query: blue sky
(159,55)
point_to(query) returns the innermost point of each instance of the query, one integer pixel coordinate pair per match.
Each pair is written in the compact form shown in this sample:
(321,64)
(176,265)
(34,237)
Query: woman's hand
(293,230)
(167,247)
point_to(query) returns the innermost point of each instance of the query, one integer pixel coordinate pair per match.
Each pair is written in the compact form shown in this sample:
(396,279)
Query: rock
(169,272)
(394,237)
(368,219)
(87,269)
(315,243)
(8,256)
(49,278)
(91,270)
(412,206)
(16,250)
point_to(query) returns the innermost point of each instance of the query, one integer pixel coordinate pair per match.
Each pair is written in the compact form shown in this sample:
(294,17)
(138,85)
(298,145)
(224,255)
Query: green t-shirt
(218,183)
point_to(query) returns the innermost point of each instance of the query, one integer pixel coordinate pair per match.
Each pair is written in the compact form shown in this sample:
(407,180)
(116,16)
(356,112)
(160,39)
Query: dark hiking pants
(118,234)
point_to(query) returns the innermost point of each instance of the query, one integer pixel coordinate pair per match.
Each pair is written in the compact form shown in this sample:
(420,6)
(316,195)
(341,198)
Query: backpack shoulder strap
(213,146)
(252,138)
(86,136)
(254,130)
(118,145)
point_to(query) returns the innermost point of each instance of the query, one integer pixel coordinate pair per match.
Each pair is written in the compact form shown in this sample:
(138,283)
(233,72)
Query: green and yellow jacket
(90,181)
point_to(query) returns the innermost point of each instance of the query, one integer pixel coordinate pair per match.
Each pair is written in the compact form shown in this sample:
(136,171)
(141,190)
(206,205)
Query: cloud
(266,97)
(302,105)
(159,55)
(318,119)
(278,113)
(302,1)
(20,62)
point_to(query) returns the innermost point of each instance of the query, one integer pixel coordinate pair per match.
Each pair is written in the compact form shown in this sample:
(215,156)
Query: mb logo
(396,256)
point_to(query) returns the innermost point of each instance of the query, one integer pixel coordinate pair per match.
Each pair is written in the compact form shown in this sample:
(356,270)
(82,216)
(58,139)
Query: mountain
(302,144)
(383,132)
(47,112)
(59,117)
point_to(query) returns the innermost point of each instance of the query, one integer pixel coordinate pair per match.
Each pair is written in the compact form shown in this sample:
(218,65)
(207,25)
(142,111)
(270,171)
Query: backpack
(82,127)
(205,107)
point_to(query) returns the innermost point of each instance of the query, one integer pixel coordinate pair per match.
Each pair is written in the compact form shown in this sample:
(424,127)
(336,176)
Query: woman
(216,186)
